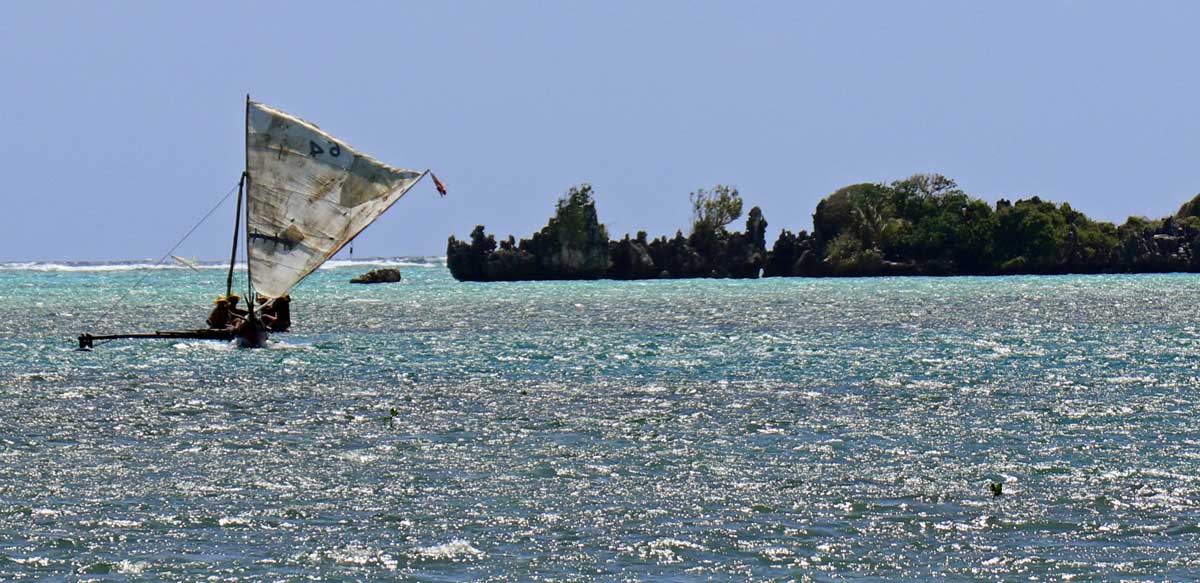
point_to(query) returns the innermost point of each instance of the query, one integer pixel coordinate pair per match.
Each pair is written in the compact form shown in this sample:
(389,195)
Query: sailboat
(306,195)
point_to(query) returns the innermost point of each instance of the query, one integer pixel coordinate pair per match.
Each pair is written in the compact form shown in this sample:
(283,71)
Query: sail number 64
(314,149)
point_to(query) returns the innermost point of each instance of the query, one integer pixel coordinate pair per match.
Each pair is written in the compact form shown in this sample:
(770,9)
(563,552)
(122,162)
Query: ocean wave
(351,555)
(146,264)
(387,262)
(456,550)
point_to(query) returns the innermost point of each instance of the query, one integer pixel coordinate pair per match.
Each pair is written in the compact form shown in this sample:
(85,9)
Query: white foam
(358,457)
(386,262)
(227,521)
(119,523)
(205,345)
(456,550)
(284,345)
(674,543)
(352,555)
(776,554)
(130,568)
(148,264)
(97,267)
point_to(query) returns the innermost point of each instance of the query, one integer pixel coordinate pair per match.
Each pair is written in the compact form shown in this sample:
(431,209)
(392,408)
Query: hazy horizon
(124,121)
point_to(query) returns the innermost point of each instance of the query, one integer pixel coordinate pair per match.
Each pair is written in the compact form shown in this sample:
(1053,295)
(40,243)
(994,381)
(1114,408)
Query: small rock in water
(386,275)
(997,488)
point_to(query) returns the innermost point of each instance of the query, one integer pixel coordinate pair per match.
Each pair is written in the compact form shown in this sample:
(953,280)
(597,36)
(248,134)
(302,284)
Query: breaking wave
(148,264)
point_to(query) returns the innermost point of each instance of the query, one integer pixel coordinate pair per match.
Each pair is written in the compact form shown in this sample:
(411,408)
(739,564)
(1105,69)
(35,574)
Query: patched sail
(309,195)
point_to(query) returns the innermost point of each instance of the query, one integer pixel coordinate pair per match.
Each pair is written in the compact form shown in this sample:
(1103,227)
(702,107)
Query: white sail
(309,195)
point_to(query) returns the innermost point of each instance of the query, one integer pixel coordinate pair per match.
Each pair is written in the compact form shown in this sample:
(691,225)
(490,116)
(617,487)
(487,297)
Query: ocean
(687,430)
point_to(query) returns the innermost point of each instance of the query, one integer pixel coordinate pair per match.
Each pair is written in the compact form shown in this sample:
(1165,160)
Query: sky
(123,121)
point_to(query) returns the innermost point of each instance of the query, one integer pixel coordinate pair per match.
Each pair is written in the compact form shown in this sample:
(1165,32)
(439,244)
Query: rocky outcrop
(575,245)
(631,259)
(792,254)
(922,225)
(385,275)
(553,254)
(746,253)
(713,252)
(572,245)
(468,261)
(508,263)
(676,258)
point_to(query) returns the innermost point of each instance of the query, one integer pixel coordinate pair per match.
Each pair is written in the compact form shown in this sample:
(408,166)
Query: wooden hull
(255,338)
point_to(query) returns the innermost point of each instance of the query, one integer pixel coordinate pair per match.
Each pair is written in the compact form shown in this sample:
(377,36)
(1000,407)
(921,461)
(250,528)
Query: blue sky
(123,121)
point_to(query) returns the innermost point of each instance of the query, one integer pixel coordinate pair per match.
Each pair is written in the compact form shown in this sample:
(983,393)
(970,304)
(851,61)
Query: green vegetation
(575,245)
(925,224)
(713,210)
(573,213)
(921,225)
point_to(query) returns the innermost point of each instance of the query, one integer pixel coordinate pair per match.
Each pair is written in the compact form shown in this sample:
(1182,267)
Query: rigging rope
(137,283)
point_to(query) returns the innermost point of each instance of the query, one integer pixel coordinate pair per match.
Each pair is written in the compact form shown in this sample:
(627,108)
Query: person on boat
(220,316)
(266,313)
(239,315)
(280,312)
(225,313)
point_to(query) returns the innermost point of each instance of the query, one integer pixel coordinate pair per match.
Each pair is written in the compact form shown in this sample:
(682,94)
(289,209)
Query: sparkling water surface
(690,430)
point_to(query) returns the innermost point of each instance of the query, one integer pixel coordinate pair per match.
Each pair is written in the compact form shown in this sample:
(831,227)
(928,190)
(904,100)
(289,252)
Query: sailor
(266,312)
(239,315)
(281,309)
(277,313)
(225,313)
(220,316)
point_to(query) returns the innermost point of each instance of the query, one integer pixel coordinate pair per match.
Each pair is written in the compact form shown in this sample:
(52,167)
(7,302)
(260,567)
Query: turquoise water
(785,430)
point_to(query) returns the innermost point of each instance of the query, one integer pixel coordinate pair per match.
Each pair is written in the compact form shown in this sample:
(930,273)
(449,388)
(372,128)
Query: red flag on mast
(438,183)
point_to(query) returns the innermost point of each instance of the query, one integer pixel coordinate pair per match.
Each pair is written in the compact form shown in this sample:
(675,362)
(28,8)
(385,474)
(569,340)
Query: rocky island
(922,225)
(575,245)
(382,275)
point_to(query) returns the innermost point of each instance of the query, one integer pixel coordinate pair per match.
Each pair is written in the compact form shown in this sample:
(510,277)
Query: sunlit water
(781,429)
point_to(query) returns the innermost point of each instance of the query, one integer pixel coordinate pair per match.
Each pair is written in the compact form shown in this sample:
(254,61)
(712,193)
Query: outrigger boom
(86,340)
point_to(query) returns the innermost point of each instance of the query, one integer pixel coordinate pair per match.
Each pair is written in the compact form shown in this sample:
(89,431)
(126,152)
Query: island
(921,225)
(382,275)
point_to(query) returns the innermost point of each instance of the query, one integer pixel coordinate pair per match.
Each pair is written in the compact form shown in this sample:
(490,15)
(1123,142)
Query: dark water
(771,430)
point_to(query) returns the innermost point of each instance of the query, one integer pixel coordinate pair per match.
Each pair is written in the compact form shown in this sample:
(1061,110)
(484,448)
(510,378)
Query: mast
(237,227)
(252,334)
(249,280)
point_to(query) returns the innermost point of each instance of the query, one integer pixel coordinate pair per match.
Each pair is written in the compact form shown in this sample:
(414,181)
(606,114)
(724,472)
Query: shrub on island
(575,245)
(922,225)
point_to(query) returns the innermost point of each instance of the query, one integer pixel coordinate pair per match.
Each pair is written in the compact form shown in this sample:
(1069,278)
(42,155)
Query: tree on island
(712,251)
(575,245)
(575,217)
(921,225)
(713,210)
(572,245)
(926,225)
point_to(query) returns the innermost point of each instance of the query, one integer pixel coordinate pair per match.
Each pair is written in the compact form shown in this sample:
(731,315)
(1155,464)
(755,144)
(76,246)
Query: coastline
(923,225)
